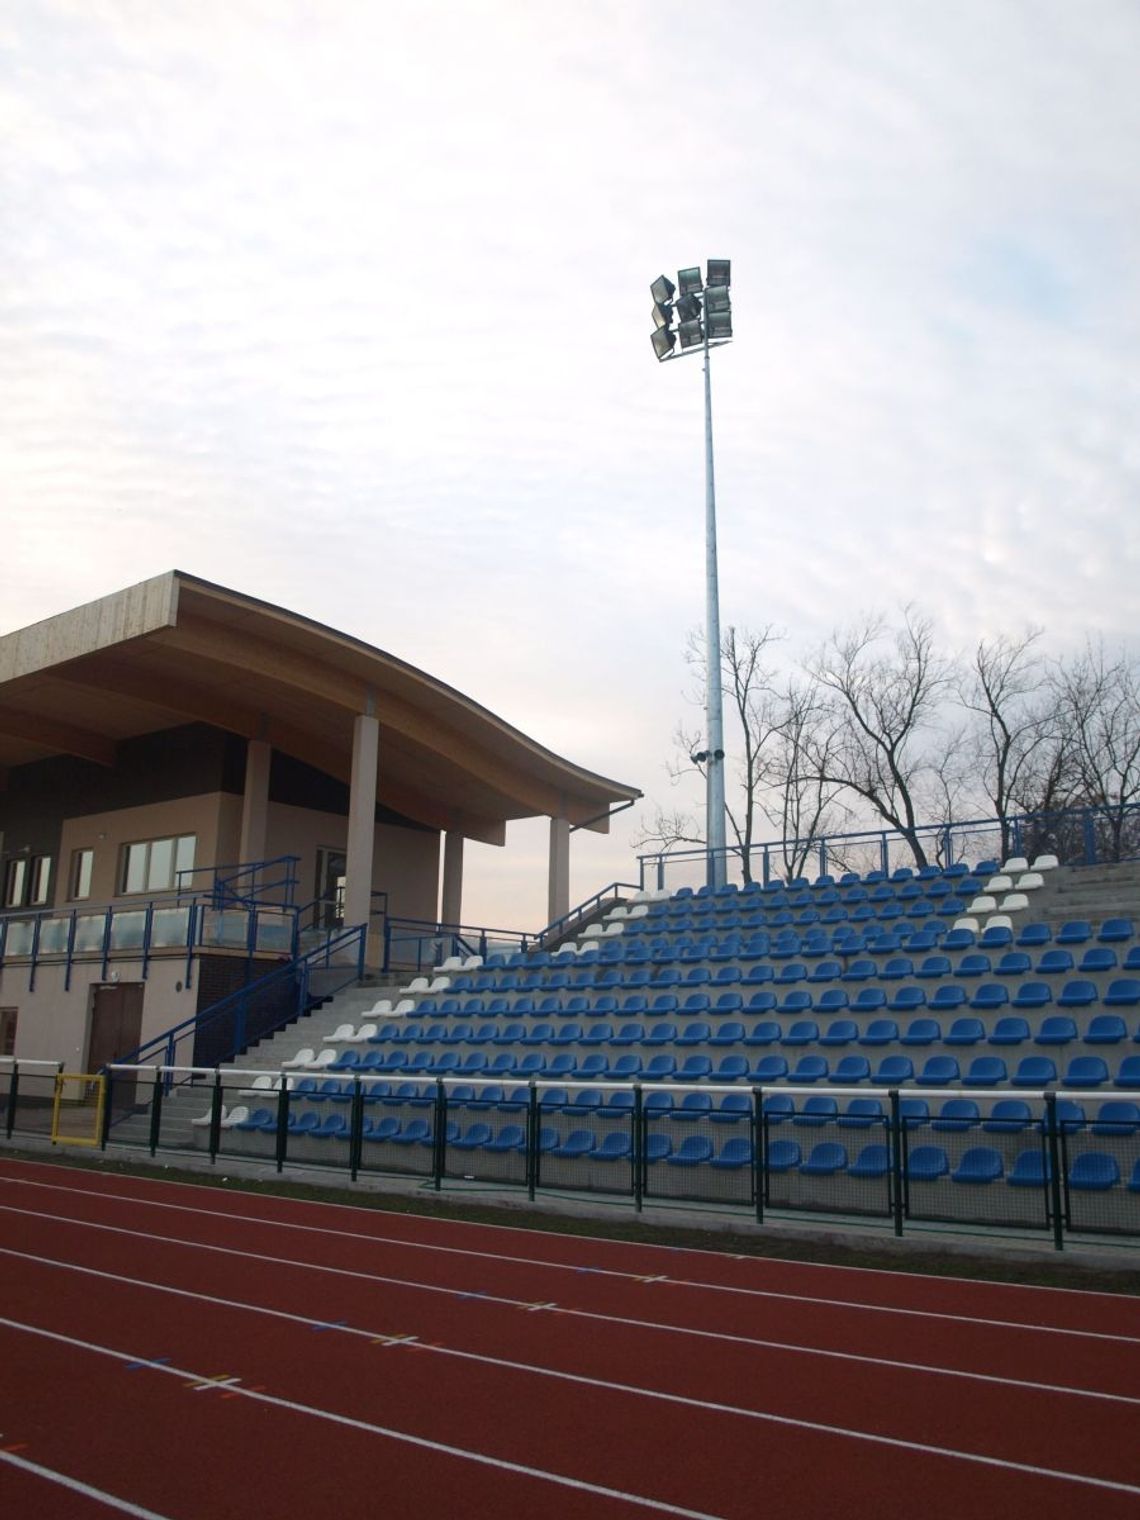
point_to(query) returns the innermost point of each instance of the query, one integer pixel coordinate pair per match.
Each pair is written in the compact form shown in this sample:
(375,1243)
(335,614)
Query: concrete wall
(210,817)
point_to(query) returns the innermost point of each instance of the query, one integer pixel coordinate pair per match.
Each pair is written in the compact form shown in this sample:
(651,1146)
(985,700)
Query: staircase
(1093,893)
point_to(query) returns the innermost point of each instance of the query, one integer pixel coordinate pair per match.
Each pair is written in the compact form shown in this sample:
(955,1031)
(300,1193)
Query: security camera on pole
(703,312)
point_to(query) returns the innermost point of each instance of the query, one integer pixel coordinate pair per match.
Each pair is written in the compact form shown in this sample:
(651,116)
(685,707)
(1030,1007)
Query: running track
(175,1351)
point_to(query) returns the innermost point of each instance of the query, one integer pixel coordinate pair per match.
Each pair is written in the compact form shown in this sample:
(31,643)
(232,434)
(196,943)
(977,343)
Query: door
(331,867)
(116,1031)
(8,1020)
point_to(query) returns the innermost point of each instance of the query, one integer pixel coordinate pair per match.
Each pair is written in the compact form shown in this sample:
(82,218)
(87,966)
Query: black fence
(1024,1162)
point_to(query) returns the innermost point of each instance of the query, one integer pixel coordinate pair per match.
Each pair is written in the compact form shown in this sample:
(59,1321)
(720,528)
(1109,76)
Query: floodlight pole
(714,706)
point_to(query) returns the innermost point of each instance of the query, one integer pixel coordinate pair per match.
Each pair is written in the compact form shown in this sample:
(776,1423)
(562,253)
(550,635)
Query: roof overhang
(177,649)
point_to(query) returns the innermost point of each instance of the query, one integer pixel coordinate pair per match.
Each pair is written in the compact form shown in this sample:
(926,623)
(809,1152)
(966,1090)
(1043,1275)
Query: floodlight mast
(713,296)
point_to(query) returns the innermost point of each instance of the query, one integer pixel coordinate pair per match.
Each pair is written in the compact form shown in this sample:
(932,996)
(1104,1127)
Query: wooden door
(116,1030)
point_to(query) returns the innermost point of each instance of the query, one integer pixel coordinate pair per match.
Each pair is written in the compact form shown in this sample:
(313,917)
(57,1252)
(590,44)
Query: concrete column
(451,906)
(558,896)
(361,820)
(255,802)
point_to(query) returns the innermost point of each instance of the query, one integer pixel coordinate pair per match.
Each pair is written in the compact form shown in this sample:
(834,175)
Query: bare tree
(799,801)
(885,695)
(1098,701)
(1017,741)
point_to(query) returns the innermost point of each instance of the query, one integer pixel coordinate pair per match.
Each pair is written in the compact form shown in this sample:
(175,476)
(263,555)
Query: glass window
(153,865)
(15,881)
(82,866)
(41,879)
(184,848)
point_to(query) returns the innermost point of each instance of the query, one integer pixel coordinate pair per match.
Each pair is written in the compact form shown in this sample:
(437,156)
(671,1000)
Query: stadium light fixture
(703,310)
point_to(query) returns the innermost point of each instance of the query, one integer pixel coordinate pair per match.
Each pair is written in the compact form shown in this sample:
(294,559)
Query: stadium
(479,1037)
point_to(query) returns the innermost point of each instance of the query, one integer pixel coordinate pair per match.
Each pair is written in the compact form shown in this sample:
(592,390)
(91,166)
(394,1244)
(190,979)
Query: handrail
(1073,833)
(297,969)
(558,928)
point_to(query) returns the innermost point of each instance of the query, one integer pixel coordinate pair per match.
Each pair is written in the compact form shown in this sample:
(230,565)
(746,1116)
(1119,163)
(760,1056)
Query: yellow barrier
(77,1112)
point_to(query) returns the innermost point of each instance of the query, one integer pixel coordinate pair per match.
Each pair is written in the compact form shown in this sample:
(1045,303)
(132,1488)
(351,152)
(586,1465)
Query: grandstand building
(196,784)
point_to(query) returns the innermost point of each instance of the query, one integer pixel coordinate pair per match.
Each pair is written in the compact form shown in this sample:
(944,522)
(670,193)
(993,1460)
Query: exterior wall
(405,863)
(209,817)
(54,1024)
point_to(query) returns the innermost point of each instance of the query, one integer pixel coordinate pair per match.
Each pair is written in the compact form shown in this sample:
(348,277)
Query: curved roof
(177,649)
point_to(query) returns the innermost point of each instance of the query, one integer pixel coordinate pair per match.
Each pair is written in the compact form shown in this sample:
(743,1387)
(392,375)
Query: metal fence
(1009,1161)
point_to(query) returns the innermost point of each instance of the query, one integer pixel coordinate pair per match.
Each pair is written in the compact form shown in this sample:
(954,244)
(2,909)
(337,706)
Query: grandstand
(944,1045)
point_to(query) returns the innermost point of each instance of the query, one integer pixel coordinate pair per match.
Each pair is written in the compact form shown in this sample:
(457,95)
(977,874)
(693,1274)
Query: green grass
(921,1256)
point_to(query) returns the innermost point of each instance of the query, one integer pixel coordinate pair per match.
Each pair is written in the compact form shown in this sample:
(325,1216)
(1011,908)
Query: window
(82,865)
(27,881)
(155,865)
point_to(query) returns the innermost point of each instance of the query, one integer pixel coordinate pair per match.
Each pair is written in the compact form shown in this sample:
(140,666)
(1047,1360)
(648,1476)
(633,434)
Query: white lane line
(112,1501)
(763,1416)
(676,1282)
(465,1454)
(599,1240)
(659,1327)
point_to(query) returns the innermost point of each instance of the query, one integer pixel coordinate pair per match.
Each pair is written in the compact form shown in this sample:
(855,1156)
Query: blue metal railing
(418,944)
(259,1008)
(257,882)
(586,911)
(1077,836)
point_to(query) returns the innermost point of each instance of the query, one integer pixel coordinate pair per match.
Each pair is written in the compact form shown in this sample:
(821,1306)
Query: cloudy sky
(344,304)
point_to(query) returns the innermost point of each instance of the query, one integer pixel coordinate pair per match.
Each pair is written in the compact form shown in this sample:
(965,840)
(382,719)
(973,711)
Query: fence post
(896,1160)
(823,857)
(1053,1180)
(13,1097)
(759,1151)
(439,1149)
(638,1148)
(532,1141)
(282,1122)
(884,854)
(356,1127)
(216,1116)
(156,1109)
(1090,838)
(108,1104)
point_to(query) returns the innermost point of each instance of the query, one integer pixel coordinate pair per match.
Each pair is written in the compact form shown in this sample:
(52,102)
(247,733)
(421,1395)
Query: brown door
(8,1021)
(116,1030)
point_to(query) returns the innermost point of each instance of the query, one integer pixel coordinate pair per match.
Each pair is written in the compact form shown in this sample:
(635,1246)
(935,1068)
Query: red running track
(176,1351)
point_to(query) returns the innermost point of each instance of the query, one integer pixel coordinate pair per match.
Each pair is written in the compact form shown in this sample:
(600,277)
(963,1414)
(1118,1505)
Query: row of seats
(980,1165)
(1033,1071)
(968,1029)
(1115,1117)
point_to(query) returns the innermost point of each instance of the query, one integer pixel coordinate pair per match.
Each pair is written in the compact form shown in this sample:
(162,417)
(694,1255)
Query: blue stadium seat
(782,1156)
(809,1069)
(989,996)
(769,1069)
(922,1032)
(1097,961)
(729,1033)
(1054,963)
(778,1107)
(897,969)
(872,1162)
(733,1155)
(840,1032)
(816,1110)
(934,968)
(802,1032)
(1077,994)
(849,1070)
(974,965)
(1008,1116)
(907,999)
(476,1136)
(826,1159)
(1106,1029)
(1013,963)
(869,1000)
(1092,1171)
(926,1163)
(946,999)
(1034,936)
(938,1071)
(1123,993)
(614,1147)
(1115,931)
(1116,1117)
(732,1108)
(693,1151)
(693,1069)
(660,1068)
(1010,1030)
(697,1033)
(956,1114)
(986,1071)
(826,970)
(657,1035)
(1075,932)
(765,1032)
(861,969)
(892,1070)
(1128,1073)
(1030,1170)
(1034,1071)
(1056,1029)
(861,1113)
(880,1032)
(965,1031)
(1032,995)
(979,1166)
(914,1113)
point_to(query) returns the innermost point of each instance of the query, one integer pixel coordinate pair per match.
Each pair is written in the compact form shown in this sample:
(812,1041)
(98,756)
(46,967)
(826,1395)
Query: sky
(345,305)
